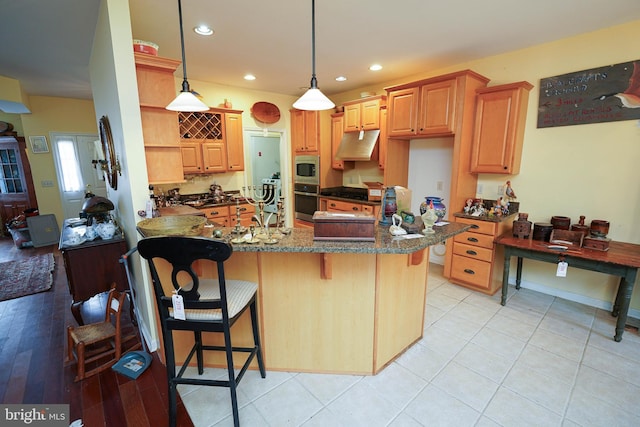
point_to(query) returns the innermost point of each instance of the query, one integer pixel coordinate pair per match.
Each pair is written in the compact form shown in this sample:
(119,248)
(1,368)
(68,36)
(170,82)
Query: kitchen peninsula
(331,306)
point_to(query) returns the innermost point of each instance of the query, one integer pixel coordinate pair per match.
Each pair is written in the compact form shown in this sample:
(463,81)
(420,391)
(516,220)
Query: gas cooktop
(352,193)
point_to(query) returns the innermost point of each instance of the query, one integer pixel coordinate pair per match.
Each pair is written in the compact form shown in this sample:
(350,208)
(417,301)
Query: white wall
(429,164)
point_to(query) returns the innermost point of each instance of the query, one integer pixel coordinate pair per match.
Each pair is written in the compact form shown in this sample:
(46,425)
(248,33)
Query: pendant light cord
(314,82)
(185,83)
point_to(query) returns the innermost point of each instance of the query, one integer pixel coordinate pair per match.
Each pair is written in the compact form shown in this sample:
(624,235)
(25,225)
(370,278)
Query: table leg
(519,273)
(505,275)
(75,310)
(624,298)
(616,304)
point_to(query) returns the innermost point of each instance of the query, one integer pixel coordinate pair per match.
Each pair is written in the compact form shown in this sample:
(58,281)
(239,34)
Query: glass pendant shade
(187,101)
(313,99)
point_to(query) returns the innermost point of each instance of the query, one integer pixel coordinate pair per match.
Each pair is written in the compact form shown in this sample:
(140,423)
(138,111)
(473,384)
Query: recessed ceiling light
(375,67)
(341,78)
(249,77)
(203,30)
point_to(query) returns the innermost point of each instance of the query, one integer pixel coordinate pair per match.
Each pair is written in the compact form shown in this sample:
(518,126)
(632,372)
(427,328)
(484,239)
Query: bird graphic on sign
(630,98)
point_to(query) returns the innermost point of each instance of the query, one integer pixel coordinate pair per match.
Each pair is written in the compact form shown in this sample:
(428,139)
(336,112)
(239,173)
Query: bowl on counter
(179,225)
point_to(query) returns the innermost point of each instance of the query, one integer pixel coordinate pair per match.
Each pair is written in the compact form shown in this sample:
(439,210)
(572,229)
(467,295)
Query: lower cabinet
(331,205)
(476,262)
(225,216)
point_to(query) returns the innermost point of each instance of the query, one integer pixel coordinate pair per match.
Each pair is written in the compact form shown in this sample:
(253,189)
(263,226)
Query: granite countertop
(301,240)
(487,218)
(345,199)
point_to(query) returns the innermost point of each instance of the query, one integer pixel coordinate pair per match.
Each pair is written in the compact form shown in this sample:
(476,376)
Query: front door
(76,173)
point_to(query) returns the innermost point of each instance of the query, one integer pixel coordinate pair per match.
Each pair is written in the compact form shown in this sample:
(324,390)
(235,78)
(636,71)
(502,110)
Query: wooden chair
(211,305)
(98,345)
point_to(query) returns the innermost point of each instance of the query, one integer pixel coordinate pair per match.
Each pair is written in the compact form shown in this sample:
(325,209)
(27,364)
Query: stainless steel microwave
(307,170)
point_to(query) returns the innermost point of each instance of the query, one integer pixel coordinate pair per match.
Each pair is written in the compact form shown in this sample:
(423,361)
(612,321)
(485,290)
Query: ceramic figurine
(467,206)
(396,229)
(429,218)
(511,195)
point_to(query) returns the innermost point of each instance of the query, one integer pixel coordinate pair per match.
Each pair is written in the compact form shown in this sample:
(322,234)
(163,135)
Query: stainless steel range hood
(357,145)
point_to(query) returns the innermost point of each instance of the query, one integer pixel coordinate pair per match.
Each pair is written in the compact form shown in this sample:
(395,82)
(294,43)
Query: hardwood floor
(33,352)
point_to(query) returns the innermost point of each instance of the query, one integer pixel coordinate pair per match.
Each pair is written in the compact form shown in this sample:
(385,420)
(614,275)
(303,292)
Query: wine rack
(194,125)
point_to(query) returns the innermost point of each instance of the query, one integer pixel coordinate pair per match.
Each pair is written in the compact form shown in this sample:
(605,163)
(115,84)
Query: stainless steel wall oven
(305,201)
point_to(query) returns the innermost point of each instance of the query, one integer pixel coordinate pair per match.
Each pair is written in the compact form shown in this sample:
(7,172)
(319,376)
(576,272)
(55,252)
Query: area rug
(26,276)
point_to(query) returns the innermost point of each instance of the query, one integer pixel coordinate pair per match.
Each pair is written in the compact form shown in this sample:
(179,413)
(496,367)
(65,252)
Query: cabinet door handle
(355,208)
(469,271)
(470,252)
(475,226)
(333,205)
(472,239)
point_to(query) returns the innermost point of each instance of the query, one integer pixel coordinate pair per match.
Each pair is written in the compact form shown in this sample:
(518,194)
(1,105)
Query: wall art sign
(603,94)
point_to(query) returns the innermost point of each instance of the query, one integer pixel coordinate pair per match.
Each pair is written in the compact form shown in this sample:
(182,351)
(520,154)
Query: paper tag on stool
(178,307)
(562,269)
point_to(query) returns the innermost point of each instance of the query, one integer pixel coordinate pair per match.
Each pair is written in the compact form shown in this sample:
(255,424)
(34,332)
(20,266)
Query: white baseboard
(570,296)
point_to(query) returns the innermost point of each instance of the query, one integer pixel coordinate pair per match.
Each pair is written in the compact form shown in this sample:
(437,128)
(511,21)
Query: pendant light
(313,99)
(185,101)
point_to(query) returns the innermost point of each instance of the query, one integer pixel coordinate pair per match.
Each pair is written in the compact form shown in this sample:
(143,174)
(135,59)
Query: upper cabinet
(363,114)
(305,131)
(337,130)
(382,143)
(425,108)
(156,89)
(499,128)
(211,141)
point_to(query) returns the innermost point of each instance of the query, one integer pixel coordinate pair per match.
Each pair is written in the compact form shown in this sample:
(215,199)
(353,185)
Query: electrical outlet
(46,183)
(479,189)
(500,190)
(439,185)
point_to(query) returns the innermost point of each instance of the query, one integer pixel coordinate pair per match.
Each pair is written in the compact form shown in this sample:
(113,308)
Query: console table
(622,259)
(92,266)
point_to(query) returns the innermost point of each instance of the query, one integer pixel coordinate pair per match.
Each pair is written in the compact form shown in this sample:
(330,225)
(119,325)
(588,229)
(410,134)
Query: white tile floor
(538,361)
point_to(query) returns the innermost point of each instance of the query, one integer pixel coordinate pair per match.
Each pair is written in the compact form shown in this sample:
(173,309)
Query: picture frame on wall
(39,144)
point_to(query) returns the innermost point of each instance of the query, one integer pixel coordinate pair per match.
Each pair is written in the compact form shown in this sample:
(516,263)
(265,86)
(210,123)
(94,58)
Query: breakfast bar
(346,307)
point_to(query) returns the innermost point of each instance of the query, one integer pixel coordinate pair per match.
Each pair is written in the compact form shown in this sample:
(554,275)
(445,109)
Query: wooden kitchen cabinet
(247,211)
(363,114)
(156,89)
(475,262)
(305,131)
(211,142)
(234,141)
(501,112)
(218,215)
(426,108)
(332,205)
(337,130)
(383,139)
(437,111)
